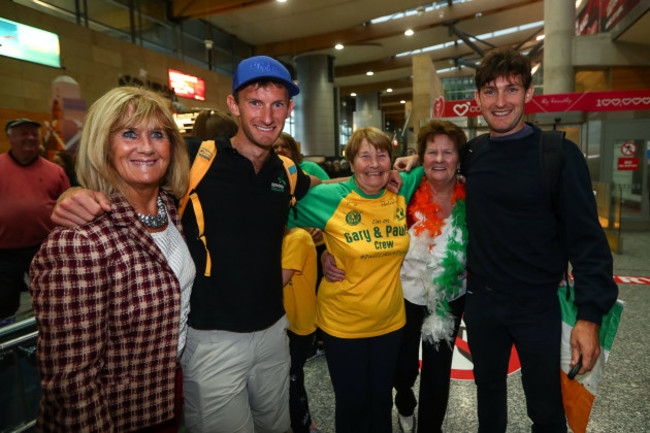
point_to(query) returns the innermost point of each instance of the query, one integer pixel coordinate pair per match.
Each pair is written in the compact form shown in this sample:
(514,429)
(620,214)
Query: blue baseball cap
(260,68)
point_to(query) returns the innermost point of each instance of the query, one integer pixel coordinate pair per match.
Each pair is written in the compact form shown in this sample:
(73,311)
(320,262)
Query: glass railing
(20,390)
(609,201)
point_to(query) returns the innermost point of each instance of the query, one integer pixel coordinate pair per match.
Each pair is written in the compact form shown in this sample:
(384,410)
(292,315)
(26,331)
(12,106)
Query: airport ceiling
(460,31)
(298,27)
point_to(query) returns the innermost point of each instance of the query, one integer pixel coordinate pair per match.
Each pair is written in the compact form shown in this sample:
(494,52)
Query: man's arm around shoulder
(77,206)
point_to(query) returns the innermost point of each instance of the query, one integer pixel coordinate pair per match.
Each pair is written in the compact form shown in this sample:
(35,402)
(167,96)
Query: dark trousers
(436,369)
(494,323)
(14,263)
(362,371)
(299,348)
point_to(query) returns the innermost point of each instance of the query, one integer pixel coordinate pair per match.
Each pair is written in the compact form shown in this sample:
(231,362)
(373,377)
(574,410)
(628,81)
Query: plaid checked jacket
(107,306)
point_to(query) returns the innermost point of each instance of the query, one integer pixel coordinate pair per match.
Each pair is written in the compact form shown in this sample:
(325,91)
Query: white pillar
(559,29)
(314,106)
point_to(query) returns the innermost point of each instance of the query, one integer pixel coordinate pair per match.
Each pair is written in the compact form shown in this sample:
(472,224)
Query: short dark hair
(214,124)
(441,127)
(263,83)
(503,62)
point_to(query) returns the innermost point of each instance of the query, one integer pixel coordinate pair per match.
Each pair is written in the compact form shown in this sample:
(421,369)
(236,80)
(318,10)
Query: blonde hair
(375,137)
(120,108)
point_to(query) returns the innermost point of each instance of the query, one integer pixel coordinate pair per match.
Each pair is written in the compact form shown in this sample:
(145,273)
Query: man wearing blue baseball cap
(236,360)
(236,363)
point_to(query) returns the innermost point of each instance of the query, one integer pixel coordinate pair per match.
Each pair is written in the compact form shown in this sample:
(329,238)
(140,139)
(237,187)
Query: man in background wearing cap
(236,360)
(29,187)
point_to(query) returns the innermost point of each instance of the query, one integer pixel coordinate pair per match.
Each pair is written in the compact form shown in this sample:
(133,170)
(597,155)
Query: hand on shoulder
(77,206)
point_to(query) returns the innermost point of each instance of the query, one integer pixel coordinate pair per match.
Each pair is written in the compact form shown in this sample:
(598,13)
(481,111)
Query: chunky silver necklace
(155,221)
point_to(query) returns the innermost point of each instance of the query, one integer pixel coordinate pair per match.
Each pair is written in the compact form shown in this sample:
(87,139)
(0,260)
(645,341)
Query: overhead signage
(29,43)
(626,100)
(597,16)
(187,86)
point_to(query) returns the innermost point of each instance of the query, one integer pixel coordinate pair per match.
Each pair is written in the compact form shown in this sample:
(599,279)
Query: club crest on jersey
(399,214)
(278,185)
(353,218)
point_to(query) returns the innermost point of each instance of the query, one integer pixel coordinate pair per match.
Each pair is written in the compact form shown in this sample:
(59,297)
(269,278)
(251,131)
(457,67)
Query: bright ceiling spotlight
(353,94)
(370,73)
(281,1)
(389,90)
(409,32)
(338,47)
(402,102)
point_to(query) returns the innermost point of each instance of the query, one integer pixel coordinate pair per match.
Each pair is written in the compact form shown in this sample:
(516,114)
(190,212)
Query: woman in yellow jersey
(433,279)
(362,316)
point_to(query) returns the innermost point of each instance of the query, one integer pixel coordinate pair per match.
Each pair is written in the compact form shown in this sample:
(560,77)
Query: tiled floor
(622,403)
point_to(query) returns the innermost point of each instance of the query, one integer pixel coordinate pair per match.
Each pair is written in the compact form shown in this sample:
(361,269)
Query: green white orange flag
(578,394)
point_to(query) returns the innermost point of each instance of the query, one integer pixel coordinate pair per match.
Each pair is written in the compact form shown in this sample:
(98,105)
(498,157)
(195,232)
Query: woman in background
(213,124)
(285,145)
(111,297)
(67,162)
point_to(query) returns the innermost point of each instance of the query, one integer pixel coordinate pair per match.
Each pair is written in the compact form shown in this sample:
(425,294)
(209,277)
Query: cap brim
(25,122)
(290,86)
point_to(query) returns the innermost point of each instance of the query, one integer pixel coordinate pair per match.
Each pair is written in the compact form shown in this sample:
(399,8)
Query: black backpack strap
(473,148)
(551,160)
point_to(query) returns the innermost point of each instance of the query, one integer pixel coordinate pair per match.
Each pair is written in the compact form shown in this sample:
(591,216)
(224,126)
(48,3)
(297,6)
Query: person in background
(362,316)
(214,124)
(29,188)
(210,125)
(299,279)
(433,279)
(285,145)
(111,297)
(66,161)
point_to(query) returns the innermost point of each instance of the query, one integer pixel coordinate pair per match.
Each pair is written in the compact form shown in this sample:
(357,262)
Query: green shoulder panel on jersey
(319,204)
(412,181)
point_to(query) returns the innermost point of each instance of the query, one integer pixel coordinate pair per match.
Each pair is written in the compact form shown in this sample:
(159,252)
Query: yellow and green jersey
(368,237)
(299,254)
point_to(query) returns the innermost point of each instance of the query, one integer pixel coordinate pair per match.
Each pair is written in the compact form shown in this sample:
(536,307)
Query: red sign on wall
(628,163)
(187,86)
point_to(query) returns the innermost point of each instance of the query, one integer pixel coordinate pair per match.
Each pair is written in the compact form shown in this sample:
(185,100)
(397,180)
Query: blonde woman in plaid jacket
(111,297)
